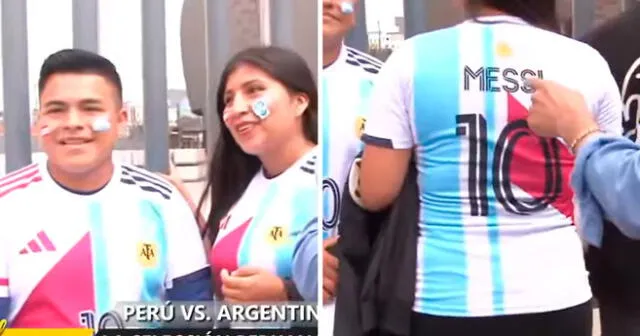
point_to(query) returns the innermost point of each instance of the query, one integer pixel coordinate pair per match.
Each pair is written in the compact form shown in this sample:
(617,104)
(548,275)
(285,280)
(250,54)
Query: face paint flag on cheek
(260,108)
(45,130)
(346,7)
(101,124)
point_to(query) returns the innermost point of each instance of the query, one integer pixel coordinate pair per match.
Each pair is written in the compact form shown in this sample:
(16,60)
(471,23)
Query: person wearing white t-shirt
(347,79)
(262,184)
(498,253)
(80,232)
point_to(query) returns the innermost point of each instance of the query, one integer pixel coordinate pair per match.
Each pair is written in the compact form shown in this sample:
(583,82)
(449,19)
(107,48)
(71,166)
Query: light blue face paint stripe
(153,231)
(100,253)
(326,119)
(492,218)
(244,252)
(436,103)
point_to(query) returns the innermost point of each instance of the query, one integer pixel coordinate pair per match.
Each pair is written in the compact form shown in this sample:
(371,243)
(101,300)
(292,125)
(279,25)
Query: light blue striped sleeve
(305,253)
(606,182)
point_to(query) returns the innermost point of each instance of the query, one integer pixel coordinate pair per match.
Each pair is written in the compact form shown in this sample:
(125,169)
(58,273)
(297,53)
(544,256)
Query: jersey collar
(497,19)
(114,181)
(342,58)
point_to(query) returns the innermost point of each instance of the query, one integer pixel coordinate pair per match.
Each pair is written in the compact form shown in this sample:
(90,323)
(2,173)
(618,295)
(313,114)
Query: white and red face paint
(99,124)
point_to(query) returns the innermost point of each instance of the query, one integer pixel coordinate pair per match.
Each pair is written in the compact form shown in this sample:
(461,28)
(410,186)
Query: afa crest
(277,235)
(360,122)
(147,254)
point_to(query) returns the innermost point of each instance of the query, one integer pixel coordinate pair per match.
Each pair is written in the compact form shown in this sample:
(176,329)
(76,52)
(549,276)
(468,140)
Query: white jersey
(496,211)
(273,225)
(346,85)
(66,258)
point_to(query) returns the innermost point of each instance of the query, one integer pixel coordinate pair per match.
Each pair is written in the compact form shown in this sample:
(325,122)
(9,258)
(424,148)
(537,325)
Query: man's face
(335,24)
(69,105)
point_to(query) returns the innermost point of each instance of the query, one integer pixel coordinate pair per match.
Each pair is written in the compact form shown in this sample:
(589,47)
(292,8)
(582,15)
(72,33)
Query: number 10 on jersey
(474,127)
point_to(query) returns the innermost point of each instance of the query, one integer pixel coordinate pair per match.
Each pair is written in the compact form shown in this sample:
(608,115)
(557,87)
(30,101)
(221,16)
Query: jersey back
(346,87)
(495,228)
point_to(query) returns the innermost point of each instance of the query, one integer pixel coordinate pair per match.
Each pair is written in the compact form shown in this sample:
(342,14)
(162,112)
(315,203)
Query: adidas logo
(40,243)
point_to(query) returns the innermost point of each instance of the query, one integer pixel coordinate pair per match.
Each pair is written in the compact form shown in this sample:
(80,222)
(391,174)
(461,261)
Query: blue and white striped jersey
(496,231)
(346,86)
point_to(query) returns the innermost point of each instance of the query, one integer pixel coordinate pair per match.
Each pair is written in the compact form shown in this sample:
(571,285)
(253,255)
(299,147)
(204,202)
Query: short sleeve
(388,123)
(185,250)
(608,110)
(305,253)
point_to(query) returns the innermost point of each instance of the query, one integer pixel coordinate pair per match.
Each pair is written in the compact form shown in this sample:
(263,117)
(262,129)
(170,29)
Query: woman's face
(255,136)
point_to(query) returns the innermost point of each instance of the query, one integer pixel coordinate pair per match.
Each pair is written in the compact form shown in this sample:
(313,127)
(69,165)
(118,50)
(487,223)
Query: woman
(262,185)
(497,250)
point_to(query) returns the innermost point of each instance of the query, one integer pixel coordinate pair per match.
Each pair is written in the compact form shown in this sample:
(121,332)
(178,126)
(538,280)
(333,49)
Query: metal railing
(199,164)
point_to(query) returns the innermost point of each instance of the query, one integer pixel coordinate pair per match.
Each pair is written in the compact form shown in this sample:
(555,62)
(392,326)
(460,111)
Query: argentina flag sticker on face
(346,7)
(260,108)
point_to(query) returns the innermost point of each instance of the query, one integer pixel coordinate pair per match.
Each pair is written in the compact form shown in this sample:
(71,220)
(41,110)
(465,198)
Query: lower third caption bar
(209,332)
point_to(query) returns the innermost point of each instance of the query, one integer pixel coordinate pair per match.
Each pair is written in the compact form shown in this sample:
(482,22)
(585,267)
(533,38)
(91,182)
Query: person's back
(509,190)
(496,223)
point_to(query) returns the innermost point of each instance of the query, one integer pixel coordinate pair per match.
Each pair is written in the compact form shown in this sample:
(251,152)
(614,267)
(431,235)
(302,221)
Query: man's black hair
(78,61)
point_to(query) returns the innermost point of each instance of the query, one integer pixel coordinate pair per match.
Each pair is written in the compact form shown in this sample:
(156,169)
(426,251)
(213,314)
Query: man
(80,233)
(619,314)
(346,82)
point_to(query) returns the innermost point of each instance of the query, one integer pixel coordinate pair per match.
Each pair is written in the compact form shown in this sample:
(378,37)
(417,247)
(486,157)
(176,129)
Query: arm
(608,109)
(189,275)
(608,169)
(305,262)
(388,136)
(5,299)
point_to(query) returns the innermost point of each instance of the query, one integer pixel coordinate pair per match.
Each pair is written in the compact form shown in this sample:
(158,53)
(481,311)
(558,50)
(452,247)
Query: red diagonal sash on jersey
(528,166)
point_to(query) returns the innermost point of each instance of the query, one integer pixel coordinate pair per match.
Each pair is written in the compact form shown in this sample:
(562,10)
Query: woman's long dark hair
(231,169)
(541,13)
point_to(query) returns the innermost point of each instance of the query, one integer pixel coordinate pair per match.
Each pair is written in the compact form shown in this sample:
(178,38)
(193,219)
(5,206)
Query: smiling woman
(262,183)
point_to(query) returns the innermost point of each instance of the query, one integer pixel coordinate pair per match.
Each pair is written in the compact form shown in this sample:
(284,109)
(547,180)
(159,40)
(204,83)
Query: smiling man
(80,233)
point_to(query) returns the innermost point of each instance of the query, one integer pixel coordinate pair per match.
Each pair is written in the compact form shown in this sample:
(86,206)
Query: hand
(329,271)
(557,111)
(252,284)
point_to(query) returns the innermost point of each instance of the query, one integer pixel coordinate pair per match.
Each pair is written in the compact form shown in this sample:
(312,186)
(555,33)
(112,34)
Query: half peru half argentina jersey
(496,211)
(66,259)
(346,87)
(268,225)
